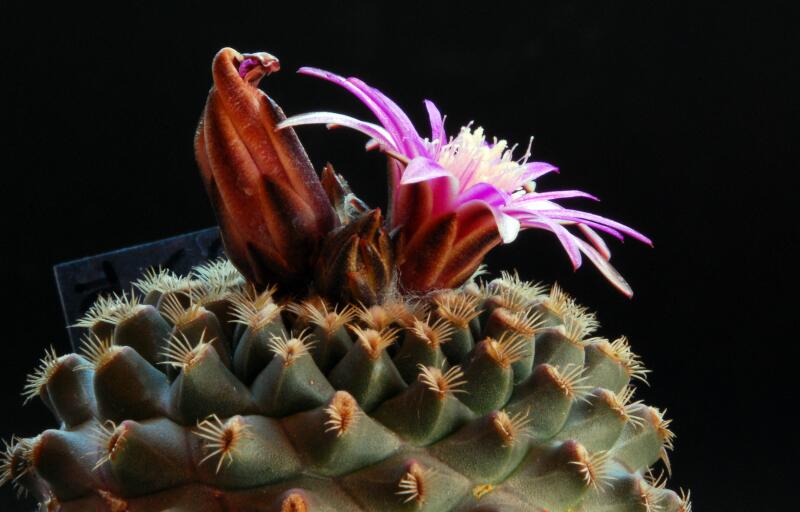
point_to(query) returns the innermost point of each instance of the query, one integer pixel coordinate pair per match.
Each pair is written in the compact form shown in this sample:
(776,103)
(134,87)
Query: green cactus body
(247,402)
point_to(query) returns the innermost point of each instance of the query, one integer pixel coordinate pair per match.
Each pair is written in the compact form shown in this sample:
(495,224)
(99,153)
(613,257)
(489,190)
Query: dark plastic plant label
(81,281)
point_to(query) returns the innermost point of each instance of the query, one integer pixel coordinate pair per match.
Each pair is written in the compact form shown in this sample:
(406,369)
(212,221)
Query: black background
(676,114)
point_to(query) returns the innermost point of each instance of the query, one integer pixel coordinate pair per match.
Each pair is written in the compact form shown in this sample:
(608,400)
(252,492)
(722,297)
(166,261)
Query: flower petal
(579,216)
(567,239)
(423,169)
(605,268)
(332,119)
(485,192)
(605,229)
(410,141)
(534,170)
(507,226)
(387,120)
(554,195)
(542,209)
(437,124)
(596,240)
(439,188)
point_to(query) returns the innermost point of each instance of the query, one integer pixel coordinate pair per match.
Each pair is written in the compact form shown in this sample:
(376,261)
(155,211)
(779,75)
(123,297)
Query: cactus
(398,377)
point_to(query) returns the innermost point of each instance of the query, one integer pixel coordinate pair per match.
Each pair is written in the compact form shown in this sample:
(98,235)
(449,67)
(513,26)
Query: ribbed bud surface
(269,202)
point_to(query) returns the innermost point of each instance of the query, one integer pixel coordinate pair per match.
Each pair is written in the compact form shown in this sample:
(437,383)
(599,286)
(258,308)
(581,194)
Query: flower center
(473,160)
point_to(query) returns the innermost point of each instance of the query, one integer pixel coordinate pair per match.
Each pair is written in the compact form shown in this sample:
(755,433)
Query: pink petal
(536,169)
(542,209)
(437,124)
(596,240)
(555,195)
(333,120)
(508,227)
(567,239)
(387,120)
(410,141)
(605,229)
(423,169)
(605,268)
(442,186)
(485,192)
(579,216)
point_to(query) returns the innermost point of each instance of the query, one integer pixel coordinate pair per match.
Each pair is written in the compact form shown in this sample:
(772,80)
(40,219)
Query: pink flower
(454,198)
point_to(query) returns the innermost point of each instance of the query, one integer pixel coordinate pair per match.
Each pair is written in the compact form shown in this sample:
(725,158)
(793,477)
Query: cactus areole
(341,359)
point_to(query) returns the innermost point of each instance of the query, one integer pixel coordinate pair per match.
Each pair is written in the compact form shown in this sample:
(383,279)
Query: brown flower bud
(356,262)
(270,204)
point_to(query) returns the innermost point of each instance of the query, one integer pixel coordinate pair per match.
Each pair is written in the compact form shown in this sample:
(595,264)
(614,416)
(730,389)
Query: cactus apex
(290,348)
(294,502)
(570,380)
(458,308)
(181,353)
(221,438)
(512,427)
(318,314)
(442,383)
(507,349)
(343,413)
(595,467)
(106,435)
(15,463)
(177,313)
(97,351)
(411,486)
(620,350)
(623,405)
(374,341)
(38,378)
(433,332)
(255,309)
